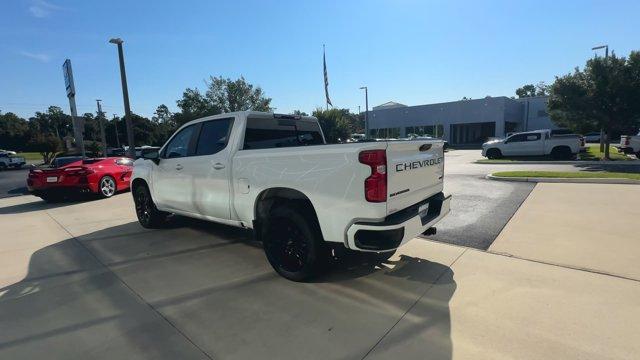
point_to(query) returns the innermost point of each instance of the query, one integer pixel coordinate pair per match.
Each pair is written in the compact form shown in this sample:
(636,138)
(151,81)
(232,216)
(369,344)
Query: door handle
(178,167)
(218,166)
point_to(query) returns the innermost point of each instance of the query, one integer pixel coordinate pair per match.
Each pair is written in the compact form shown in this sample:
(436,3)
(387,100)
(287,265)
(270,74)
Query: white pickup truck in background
(533,143)
(8,160)
(630,144)
(303,198)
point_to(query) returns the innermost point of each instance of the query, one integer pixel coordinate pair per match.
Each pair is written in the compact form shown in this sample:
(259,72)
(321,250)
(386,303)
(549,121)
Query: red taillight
(375,186)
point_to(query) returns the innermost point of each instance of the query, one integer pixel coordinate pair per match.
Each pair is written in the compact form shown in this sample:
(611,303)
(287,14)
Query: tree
(48,145)
(236,95)
(162,115)
(193,105)
(604,95)
(222,95)
(14,131)
(299,113)
(334,123)
(530,90)
(54,121)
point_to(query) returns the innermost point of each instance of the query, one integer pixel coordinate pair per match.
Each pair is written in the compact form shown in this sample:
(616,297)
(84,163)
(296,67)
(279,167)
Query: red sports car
(69,175)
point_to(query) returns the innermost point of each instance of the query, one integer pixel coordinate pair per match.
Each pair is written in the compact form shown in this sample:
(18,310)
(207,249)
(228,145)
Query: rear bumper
(399,227)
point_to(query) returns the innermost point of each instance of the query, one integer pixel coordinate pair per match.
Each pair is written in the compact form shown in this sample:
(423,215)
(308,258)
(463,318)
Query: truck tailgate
(415,171)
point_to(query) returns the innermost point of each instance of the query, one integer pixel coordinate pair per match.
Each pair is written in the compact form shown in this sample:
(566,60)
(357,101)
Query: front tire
(293,243)
(148,214)
(494,154)
(107,186)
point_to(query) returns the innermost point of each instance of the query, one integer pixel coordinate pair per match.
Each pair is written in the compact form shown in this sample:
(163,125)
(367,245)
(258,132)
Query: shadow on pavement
(635,168)
(212,282)
(43,205)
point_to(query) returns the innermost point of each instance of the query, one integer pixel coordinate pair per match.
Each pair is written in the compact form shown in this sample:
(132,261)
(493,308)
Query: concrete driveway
(585,226)
(84,280)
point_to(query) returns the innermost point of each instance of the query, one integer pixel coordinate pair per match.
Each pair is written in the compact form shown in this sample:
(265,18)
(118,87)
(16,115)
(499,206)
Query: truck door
(210,169)
(513,145)
(171,179)
(533,145)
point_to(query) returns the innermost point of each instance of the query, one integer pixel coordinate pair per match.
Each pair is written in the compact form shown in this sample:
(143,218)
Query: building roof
(389,105)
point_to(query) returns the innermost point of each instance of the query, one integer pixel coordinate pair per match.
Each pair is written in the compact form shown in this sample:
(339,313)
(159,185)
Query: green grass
(30,156)
(593,153)
(569,174)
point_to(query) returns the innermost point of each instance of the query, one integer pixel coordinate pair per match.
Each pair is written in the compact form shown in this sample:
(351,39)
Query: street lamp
(606,56)
(606,51)
(125,95)
(366,112)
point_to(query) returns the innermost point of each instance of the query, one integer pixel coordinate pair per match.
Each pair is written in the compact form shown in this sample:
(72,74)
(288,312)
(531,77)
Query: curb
(561,162)
(565,180)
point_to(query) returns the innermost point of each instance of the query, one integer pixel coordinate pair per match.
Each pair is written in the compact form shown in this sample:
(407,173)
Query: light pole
(115,126)
(125,95)
(366,111)
(101,122)
(606,56)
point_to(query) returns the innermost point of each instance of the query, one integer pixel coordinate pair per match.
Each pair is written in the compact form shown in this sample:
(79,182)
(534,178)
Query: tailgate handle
(424,147)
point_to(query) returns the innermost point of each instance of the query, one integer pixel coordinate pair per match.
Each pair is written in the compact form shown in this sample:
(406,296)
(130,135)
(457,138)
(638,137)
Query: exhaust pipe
(430,231)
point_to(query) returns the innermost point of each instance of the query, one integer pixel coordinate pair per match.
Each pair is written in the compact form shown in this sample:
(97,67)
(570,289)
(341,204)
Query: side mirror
(152,155)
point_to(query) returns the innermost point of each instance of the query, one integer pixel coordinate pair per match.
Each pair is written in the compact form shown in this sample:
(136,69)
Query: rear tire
(561,153)
(107,186)
(148,214)
(494,153)
(293,243)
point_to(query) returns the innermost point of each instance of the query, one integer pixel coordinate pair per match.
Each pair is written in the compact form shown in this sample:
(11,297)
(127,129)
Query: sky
(412,52)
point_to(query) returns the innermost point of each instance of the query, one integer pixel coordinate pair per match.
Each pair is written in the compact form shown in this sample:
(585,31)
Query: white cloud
(40,57)
(42,9)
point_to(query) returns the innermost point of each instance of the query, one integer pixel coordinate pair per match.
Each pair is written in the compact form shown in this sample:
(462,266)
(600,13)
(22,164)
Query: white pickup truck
(303,198)
(8,160)
(533,143)
(630,144)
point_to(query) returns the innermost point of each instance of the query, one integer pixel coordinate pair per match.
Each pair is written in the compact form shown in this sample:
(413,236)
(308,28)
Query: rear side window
(265,133)
(214,136)
(518,138)
(309,133)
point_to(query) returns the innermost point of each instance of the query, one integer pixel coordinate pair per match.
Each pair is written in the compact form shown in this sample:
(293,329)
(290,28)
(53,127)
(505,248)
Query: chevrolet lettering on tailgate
(417,164)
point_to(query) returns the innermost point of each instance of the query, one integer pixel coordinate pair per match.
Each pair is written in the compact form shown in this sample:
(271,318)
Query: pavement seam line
(153,309)
(504,254)
(413,305)
(564,266)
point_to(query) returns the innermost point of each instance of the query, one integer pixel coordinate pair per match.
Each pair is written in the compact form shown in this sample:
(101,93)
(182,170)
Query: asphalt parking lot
(13,182)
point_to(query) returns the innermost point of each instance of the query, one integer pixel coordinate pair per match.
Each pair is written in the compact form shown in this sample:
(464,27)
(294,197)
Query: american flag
(326,78)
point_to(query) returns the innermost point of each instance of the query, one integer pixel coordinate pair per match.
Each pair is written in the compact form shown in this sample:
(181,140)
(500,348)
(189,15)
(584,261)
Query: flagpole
(326,80)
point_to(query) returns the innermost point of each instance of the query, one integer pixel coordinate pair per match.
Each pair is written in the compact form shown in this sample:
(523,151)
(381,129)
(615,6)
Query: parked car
(8,152)
(592,137)
(145,149)
(445,145)
(630,144)
(275,174)
(73,175)
(533,143)
(8,160)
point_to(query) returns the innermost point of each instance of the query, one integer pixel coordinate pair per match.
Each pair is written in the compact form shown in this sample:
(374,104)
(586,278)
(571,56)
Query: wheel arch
(269,199)
(138,182)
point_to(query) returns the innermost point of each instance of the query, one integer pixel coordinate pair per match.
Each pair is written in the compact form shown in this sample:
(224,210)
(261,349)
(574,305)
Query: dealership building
(464,122)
